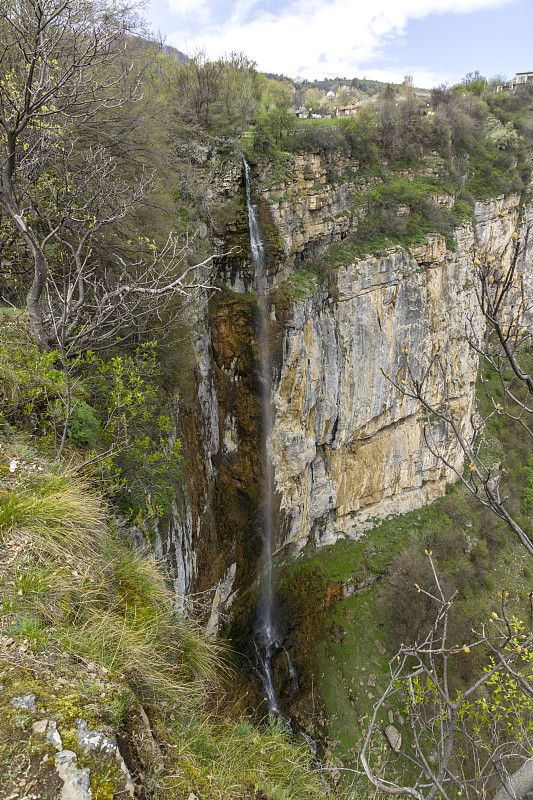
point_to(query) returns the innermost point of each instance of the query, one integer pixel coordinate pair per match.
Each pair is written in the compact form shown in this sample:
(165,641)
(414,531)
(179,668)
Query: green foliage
(83,426)
(75,590)
(273,94)
(32,389)
(463,208)
(103,601)
(345,638)
(493,171)
(144,456)
(505,706)
(360,131)
(495,718)
(527,494)
(399,211)
(300,284)
(127,417)
(271,127)
(121,707)
(236,753)
(474,83)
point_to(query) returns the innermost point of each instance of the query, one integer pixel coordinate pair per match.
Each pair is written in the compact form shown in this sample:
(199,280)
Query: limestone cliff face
(310,202)
(346,446)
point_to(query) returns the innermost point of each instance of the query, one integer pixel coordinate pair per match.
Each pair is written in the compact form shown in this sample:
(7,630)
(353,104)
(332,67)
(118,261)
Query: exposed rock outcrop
(347,447)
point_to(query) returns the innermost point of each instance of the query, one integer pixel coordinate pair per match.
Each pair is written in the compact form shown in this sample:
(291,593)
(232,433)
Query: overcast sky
(435,41)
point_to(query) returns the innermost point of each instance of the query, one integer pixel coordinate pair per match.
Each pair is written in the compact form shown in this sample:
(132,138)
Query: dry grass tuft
(77,584)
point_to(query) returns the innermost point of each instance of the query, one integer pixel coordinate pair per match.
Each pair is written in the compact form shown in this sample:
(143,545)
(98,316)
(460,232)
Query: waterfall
(266,638)
(267,641)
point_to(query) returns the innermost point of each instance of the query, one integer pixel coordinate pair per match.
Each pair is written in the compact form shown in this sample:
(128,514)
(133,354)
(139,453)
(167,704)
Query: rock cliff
(347,447)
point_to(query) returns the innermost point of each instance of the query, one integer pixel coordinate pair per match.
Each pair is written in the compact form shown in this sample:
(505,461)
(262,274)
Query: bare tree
(55,59)
(102,292)
(502,294)
(474,741)
(91,312)
(68,193)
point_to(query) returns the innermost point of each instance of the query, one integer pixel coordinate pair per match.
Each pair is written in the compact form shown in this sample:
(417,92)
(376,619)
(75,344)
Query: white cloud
(195,9)
(313,38)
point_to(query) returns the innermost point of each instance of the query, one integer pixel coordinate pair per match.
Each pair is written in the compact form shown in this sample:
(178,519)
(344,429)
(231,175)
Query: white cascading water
(266,639)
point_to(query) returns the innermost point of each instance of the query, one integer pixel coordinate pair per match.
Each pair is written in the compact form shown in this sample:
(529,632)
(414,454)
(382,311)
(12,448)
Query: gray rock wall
(346,446)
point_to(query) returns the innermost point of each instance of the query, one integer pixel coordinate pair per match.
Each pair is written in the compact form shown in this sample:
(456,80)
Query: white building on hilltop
(522,78)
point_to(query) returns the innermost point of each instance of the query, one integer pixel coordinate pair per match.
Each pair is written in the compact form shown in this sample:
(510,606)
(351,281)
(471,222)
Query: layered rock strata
(347,447)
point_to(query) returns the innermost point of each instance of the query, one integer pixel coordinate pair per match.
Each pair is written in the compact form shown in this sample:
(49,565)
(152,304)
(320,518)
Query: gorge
(347,448)
(265,429)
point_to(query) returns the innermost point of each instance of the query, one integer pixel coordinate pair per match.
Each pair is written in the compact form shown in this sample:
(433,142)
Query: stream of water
(267,641)
(266,638)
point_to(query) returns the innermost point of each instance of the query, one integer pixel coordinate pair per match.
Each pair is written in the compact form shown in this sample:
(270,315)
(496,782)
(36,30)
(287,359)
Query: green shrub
(32,390)
(492,171)
(145,458)
(384,221)
(360,132)
(83,426)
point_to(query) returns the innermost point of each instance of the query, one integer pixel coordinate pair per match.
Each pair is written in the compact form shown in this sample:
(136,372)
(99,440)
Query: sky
(434,41)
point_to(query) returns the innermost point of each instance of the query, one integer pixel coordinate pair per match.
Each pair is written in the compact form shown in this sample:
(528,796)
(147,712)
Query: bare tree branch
(459,745)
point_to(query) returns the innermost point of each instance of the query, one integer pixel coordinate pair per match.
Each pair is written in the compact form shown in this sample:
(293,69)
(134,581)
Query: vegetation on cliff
(427,160)
(107,204)
(88,447)
(355,604)
(429,585)
(420,183)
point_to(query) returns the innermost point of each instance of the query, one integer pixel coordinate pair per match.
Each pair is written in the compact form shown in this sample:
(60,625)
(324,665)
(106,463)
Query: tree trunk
(7,198)
(32,298)
(517,785)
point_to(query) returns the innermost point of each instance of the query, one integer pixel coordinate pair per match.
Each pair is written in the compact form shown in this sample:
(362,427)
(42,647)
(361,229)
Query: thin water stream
(266,638)
(267,641)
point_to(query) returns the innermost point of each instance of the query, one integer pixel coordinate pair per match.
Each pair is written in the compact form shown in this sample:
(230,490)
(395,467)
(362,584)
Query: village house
(522,78)
(347,111)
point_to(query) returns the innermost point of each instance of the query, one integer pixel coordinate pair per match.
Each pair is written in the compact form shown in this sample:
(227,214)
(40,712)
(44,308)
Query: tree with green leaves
(361,133)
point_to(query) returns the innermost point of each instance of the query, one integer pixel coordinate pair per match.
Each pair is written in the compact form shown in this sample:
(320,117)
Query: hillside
(264,412)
